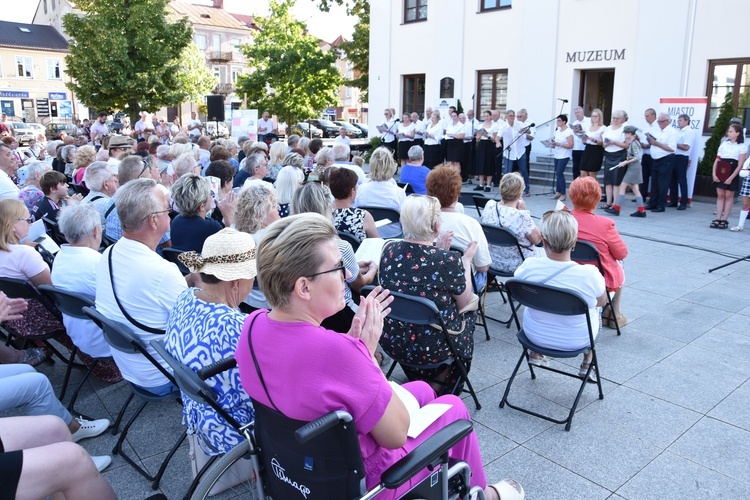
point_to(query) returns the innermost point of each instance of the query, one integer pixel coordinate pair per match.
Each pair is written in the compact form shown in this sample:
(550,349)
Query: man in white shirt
(8,167)
(204,155)
(646,160)
(342,138)
(147,296)
(467,161)
(581,124)
(99,129)
(195,127)
(513,148)
(341,159)
(140,126)
(498,126)
(681,162)
(523,117)
(265,126)
(663,144)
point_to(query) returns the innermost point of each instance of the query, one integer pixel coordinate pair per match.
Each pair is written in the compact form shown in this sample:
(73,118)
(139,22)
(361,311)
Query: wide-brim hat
(119,141)
(228,255)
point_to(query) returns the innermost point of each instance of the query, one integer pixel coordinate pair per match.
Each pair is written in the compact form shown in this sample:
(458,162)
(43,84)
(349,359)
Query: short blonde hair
(559,230)
(10,211)
(255,201)
(289,250)
(511,186)
(190,192)
(382,165)
(85,156)
(277,153)
(419,216)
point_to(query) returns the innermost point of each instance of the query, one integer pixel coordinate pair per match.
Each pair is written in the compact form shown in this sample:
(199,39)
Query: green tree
(194,78)
(357,49)
(726,112)
(126,55)
(291,76)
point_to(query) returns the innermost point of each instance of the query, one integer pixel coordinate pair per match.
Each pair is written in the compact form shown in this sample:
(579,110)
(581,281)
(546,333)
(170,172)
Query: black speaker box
(215,105)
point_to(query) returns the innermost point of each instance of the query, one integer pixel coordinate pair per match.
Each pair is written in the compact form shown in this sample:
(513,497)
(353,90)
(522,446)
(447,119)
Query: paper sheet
(420,418)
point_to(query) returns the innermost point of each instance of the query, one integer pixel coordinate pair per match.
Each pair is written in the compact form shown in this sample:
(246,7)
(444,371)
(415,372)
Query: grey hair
(559,231)
(65,153)
(287,182)
(242,140)
(36,167)
(255,201)
(292,139)
(96,175)
(79,221)
(162,151)
(416,153)
(52,147)
(293,159)
(419,216)
(184,164)
(179,149)
(135,202)
(577,108)
(324,156)
(312,197)
(685,117)
(341,152)
(130,168)
(252,162)
(190,192)
(304,143)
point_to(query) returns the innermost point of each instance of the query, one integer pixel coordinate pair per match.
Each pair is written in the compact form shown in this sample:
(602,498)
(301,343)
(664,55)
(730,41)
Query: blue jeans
(523,167)
(560,164)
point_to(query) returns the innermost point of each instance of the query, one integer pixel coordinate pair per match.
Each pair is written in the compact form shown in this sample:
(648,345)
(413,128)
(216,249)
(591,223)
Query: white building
(532,53)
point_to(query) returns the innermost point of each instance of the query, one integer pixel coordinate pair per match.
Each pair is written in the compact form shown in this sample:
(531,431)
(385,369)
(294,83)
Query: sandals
(609,322)
(723,224)
(584,369)
(602,206)
(34,356)
(509,489)
(719,224)
(542,360)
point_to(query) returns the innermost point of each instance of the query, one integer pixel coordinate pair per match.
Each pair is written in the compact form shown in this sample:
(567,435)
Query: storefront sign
(58,96)
(695,108)
(42,107)
(8,108)
(595,55)
(13,93)
(65,109)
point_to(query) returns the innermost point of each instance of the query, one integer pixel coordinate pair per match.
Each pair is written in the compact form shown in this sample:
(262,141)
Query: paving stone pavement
(674,421)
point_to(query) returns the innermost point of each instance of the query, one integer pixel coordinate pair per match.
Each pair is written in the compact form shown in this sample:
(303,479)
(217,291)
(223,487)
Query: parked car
(363,127)
(212,132)
(304,129)
(22,132)
(351,131)
(38,128)
(54,129)
(329,128)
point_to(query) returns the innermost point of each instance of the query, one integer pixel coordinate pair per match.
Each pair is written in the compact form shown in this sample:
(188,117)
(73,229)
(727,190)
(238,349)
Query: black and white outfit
(419,129)
(613,155)
(404,141)
(593,154)
(455,149)
(730,151)
(388,138)
(679,169)
(467,164)
(485,155)
(578,145)
(350,220)
(433,153)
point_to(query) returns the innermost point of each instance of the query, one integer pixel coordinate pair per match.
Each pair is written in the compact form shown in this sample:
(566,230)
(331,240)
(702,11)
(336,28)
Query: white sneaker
(90,428)
(737,229)
(102,462)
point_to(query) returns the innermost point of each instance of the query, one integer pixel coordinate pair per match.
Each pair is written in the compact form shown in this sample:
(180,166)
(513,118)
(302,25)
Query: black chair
(22,289)
(122,338)
(408,189)
(79,189)
(107,241)
(393,228)
(422,311)
(479,203)
(295,459)
(500,237)
(351,239)
(172,254)
(552,300)
(53,230)
(479,292)
(47,256)
(586,253)
(71,304)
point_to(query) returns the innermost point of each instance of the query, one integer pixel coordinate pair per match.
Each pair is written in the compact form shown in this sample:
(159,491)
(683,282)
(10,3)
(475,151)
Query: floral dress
(436,274)
(350,220)
(519,223)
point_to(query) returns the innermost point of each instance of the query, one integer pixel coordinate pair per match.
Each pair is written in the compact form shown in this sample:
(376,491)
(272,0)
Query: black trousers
(661,176)
(577,155)
(646,164)
(467,161)
(679,179)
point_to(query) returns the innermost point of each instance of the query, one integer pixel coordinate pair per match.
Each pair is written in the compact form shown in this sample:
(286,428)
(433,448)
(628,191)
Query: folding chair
(390,230)
(586,253)
(23,289)
(408,189)
(71,304)
(122,338)
(351,239)
(479,203)
(54,231)
(172,254)
(479,293)
(551,300)
(500,237)
(422,311)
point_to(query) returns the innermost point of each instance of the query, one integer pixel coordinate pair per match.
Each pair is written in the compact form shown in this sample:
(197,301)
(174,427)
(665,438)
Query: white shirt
(148,296)
(649,129)
(98,130)
(140,126)
(684,136)
(562,137)
(381,194)
(731,150)
(666,136)
(266,125)
(469,129)
(75,271)
(509,134)
(465,230)
(342,140)
(578,144)
(454,128)
(419,128)
(526,141)
(613,135)
(195,132)
(22,262)
(435,131)
(8,188)
(406,129)
(361,175)
(388,136)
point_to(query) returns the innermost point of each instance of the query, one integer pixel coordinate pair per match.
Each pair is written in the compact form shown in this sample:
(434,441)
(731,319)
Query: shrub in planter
(705,166)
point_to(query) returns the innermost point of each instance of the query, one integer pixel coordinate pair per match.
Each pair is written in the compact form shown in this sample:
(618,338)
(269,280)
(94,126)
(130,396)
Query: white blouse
(436,131)
(405,129)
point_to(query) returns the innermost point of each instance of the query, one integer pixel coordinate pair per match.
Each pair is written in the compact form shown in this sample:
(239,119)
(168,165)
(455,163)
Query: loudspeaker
(215,105)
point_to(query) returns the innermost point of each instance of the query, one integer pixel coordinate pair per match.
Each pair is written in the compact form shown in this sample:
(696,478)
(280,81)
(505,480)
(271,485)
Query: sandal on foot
(602,206)
(715,223)
(509,489)
(584,369)
(542,360)
(34,356)
(723,224)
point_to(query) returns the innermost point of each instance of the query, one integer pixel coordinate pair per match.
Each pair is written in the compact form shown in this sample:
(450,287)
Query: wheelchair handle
(321,425)
(217,367)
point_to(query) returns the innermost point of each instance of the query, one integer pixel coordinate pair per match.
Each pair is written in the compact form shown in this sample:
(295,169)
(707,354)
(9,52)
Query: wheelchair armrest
(426,454)
(321,425)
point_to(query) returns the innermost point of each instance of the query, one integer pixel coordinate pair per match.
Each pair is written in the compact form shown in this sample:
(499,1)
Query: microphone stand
(544,193)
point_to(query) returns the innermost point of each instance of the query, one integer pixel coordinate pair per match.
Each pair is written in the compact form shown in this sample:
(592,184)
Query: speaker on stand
(215,106)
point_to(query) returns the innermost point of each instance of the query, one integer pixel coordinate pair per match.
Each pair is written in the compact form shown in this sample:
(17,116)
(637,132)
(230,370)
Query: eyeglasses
(156,213)
(29,220)
(146,165)
(341,268)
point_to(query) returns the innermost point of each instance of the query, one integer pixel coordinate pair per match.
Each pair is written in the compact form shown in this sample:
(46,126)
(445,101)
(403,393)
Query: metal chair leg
(69,369)
(163,467)
(74,397)
(116,425)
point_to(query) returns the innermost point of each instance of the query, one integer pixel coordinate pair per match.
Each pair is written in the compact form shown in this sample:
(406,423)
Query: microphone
(563,100)
(397,120)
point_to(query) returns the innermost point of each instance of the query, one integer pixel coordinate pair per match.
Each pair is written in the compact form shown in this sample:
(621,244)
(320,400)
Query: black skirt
(455,150)
(485,158)
(592,158)
(614,177)
(433,155)
(403,149)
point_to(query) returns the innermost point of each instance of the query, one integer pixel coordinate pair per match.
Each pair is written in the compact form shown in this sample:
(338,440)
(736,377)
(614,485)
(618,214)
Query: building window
(485,5)
(235,74)
(492,89)
(216,43)
(217,74)
(415,10)
(24,67)
(728,75)
(200,41)
(348,92)
(53,69)
(236,44)
(413,94)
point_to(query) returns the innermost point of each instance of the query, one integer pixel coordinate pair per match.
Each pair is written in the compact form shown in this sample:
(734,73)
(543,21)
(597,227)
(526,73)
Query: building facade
(536,54)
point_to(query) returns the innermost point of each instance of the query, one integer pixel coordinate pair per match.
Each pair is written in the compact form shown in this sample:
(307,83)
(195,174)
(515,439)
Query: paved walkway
(674,422)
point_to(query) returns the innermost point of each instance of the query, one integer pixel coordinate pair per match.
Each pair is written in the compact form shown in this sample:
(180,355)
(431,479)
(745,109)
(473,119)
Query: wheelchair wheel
(217,471)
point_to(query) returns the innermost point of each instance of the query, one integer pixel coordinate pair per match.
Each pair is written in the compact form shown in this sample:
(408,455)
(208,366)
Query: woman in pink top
(309,371)
(585,193)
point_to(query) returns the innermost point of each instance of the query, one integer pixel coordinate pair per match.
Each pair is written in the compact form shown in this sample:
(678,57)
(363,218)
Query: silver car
(22,132)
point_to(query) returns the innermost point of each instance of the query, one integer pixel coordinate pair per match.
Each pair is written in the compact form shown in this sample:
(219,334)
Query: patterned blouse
(517,222)
(350,220)
(436,274)
(199,333)
(31,196)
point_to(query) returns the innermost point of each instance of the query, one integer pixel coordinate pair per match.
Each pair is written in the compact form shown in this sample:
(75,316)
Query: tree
(193,77)
(291,76)
(358,49)
(705,166)
(126,55)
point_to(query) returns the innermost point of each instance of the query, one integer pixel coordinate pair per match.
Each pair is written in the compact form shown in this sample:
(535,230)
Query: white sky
(326,26)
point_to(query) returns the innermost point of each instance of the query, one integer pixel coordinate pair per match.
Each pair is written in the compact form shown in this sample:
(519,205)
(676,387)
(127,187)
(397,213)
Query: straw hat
(228,255)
